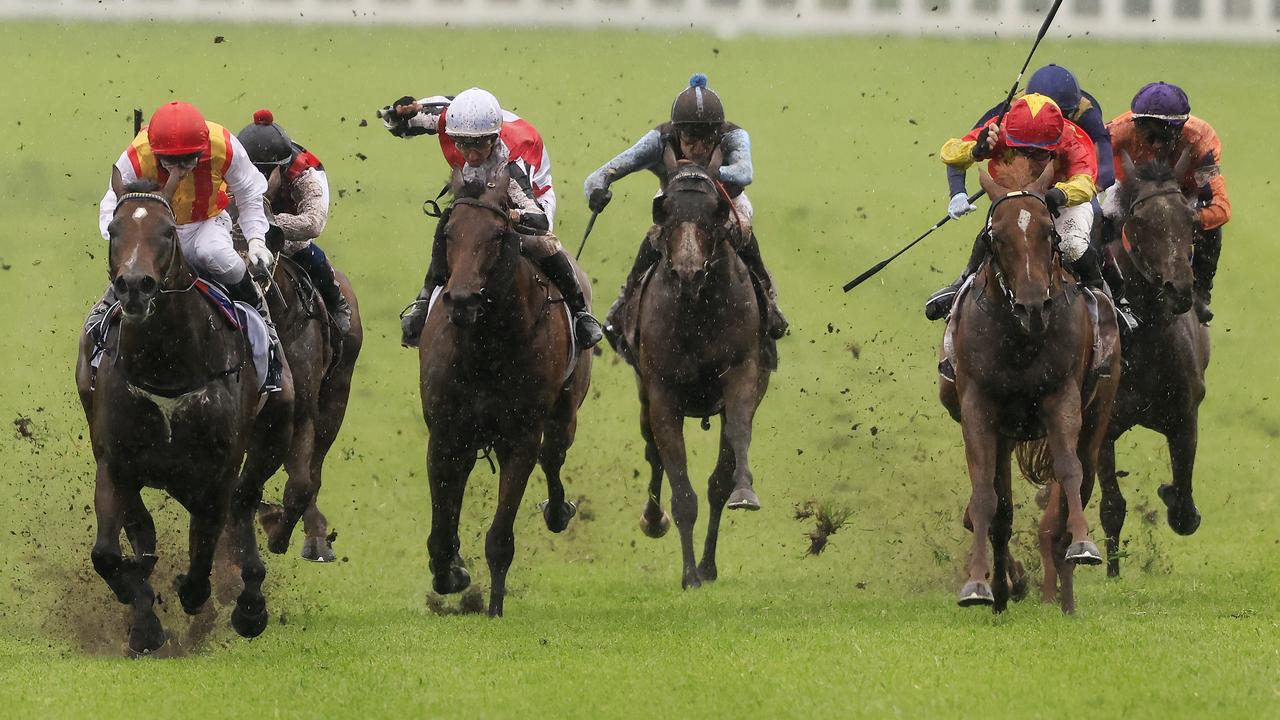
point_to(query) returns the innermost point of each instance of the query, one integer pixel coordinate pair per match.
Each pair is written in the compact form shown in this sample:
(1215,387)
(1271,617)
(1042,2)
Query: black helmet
(266,142)
(697,104)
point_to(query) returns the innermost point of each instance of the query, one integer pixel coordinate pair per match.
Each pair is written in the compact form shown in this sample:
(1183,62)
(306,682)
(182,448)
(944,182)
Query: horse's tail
(1035,461)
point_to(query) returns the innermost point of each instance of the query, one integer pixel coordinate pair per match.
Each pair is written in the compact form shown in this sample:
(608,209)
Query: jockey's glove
(1056,199)
(982,149)
(960,206)
(600,198)
(260,258)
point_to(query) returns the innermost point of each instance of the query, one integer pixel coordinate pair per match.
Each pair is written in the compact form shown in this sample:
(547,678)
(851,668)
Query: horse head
(144,256)
(1021,238)
(1159,229)
(691,213)
(480,243)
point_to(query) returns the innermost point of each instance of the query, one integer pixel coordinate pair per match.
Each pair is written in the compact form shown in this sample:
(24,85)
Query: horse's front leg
(449,463)
(979,429)
(126,578)
(654,521)
(517,458)
(1002,526)
(1113,507)
(1060,413)
(741,397)
(1182,514)
(667,422)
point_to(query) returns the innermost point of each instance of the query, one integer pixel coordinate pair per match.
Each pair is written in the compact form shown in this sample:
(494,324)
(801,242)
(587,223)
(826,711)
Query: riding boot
(645,259)
(559,269)
(1204,265)
(1090,270)
(414,317)
(1115,284)
(246,291)
(775,323)
(939,303)
(320,270)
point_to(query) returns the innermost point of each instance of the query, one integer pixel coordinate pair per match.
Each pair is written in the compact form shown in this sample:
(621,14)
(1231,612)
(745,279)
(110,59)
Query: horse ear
(499,181)
(669,158)
(994,190)
(1183,163)
(713,167)
(722,212)
(117,182)
(1126,162)
(1045,181)
(660,210)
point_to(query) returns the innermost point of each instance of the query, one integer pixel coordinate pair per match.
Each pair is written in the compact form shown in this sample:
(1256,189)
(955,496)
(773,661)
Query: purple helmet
(1162,101)
(1058,83)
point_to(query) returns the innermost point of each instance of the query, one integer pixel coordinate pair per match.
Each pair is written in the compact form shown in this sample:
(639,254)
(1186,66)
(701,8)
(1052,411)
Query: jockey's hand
(600,197)
(987,141)
(407,107)
(960,206)
(1056,199)
(260,258)
(514,215)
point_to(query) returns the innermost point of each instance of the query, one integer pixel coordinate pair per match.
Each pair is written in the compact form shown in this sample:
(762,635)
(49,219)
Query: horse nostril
(148,285)
(1048,303)
(121,287)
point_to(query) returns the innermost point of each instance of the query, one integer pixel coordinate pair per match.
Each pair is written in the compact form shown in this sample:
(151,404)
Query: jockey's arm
(645,154)
(1078,160)
(955,173)
(532,220)
(1079,189)
(122,171)
(424,122)
(247,186)
(311,196)
(1208,178)
(735,148)
(958,153)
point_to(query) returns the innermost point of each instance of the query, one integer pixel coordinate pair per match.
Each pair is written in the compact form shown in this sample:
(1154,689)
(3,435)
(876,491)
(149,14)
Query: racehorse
(698,341)
(1166,357)
(1023,345)
(173,406)
(322,363)
(498,371)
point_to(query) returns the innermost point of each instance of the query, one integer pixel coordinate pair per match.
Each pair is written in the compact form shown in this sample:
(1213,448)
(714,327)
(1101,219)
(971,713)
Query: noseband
(174,251)
(995,257)
(1134,259)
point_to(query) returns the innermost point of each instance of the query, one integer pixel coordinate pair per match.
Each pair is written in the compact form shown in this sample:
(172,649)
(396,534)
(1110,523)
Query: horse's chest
(194,422)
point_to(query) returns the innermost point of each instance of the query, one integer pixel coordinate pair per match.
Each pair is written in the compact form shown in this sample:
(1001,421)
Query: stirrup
(1124,314)
(939,304)
(274,381)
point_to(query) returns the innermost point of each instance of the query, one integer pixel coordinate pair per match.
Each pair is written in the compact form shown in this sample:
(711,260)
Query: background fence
(1236,20)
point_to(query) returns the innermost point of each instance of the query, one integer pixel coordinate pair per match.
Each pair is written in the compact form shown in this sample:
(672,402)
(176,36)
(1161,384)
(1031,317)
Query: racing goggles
(1033,153)
(698,133)
(175,162)
(474,143)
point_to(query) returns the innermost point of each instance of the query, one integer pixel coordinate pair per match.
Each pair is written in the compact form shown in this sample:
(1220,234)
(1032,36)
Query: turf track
(844,131)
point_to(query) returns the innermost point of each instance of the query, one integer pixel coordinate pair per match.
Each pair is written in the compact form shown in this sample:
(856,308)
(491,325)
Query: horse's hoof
(249,623)
(271,518)
(557,521)
(146,637)
(1018,589)
(743,498)
(317,549)
(975,592)
(707,573)
(1084,553)
(658,529)
(690,582)
(192,593)
(1180,521)
(1113,568)
(454,581)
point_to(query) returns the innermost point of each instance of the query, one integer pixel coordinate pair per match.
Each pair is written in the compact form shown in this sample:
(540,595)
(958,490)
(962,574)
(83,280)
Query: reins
(994,261)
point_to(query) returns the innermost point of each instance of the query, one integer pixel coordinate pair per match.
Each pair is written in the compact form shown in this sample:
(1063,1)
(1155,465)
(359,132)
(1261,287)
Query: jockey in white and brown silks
(298,193)
(476,135)
(1034,129)
(696,129)
(209,164)
(1160,126)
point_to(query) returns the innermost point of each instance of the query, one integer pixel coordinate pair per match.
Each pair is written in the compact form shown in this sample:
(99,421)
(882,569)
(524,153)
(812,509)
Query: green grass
(596,623)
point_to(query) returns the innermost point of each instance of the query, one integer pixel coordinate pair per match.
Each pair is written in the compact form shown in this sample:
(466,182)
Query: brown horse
(698,340)
(497,372)
(322,363)
(1166,357)
(1023,346)
(173,407)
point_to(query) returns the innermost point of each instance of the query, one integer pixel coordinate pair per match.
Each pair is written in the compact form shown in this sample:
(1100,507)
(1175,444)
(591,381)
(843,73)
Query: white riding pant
(1111,203)
(1074,225)
(548,204)
(209,251)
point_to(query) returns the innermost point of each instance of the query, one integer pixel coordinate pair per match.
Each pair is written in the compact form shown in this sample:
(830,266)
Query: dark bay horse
(173,407)
(1166,357)
(322,363)
(1023,345)
(698,353)
(497,372)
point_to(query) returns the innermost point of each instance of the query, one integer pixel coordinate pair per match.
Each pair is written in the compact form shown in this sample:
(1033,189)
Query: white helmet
(473,113)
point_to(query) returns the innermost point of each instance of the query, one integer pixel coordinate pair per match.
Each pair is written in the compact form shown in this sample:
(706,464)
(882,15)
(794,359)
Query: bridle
(496,209)
(695,174)
(994,260)
(174,250)
(1134,258)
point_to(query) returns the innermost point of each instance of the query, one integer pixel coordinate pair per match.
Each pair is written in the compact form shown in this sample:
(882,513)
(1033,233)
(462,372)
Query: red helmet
(1033,121)
(177,128)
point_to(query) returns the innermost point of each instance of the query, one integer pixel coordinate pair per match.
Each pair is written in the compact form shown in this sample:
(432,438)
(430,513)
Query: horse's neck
(515,303)
(169,345)
(998,308)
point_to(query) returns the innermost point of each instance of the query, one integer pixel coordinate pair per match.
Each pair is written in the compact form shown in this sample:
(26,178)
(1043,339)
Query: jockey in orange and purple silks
(1034,129)
(1160,126)
(298,193)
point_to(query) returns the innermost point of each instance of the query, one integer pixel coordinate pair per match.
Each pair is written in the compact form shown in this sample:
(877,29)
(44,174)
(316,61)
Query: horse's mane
(142,185)
(1155,171)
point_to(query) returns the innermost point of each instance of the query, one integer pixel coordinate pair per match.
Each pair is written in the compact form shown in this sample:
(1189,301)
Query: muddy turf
(845,134)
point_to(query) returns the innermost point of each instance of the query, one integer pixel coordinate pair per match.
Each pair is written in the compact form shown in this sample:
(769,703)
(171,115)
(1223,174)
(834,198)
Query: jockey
(298,193)
(1160,125)
(1034,129)
(1078,106)
(476,134)
(697,128)
(209,162)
